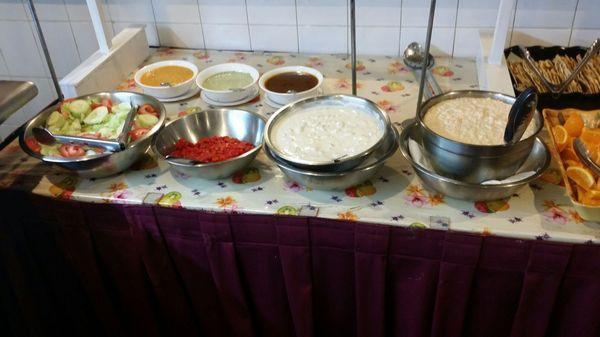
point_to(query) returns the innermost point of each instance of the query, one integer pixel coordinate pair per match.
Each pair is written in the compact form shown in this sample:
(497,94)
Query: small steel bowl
(537,161)
(241,124)
(337,165)
(474,163)
(106,164)
(341,180)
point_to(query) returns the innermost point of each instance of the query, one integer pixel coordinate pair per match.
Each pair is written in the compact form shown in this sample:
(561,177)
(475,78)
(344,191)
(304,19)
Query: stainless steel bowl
(338,165)
(341,180)
(105,164)
(241,124)
(474,163)
(537,161)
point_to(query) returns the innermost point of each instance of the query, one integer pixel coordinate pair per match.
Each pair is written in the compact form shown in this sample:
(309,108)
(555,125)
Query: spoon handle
(583,154)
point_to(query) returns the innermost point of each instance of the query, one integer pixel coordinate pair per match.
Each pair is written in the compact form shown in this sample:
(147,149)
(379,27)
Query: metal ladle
(414,58)
(521,114)
(584,155)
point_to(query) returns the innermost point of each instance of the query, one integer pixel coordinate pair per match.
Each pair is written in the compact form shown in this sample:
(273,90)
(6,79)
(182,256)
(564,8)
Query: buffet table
(149,252)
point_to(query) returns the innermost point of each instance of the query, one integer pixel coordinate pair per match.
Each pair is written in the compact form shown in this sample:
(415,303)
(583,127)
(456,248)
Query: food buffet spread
(255,157)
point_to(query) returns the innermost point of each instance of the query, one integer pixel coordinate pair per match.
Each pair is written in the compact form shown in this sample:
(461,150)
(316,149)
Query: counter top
(395,196)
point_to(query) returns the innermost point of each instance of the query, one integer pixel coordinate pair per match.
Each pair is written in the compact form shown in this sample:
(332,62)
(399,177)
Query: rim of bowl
(281,110)
(467,94)
(406,153)
(251,71)
(151,66)
(390,153)
(273,72)
(245,154)
(54,159)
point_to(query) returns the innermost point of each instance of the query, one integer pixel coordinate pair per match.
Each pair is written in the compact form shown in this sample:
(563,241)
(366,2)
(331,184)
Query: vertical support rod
(353,44)
(101,28)
(38,28)
(426,58)
(501,31)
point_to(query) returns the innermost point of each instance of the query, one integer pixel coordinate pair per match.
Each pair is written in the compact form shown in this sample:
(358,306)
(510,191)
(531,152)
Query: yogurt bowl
(168,91)
(331,133)
(231,94)
(291,94)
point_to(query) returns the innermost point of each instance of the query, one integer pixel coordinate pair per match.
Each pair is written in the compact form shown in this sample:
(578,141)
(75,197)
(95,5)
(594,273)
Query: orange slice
(568,154)
(590,136)
(593,194)
(581,176)
(561,137)
(574,125)
(570,162)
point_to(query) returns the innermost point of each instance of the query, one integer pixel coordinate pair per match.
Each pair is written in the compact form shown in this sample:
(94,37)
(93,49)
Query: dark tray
(553,101)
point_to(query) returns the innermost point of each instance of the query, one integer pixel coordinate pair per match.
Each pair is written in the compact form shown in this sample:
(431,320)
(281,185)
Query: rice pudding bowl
(326,133)
(472,120)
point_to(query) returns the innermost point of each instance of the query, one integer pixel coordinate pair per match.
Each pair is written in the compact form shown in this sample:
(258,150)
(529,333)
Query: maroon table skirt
(80,269)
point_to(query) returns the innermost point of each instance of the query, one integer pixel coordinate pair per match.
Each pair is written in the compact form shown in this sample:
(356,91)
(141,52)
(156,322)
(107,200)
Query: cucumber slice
(64,108)
(47,150)
(71,128)
(96,116)
(56,119)
(80,108)
(121,108)
(146,120)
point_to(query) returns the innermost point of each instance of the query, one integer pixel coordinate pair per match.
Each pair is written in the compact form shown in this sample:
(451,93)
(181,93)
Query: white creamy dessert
(478,121)
(326,133)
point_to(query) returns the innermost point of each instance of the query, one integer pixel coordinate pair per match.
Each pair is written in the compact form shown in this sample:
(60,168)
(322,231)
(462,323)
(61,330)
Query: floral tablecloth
(395,196)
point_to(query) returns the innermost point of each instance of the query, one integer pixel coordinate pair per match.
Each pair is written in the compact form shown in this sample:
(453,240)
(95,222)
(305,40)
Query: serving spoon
(584,155)
(413,58)
(521,114)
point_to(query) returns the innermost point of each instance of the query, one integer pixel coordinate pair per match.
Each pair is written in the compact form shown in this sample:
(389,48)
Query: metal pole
(353,44)
(426,58)
(38,27)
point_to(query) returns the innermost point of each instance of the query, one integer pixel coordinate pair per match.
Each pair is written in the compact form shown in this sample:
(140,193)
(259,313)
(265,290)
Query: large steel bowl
(537,161)
(241,124)
(341,180)
(105,164)
(474,163)
(337,165)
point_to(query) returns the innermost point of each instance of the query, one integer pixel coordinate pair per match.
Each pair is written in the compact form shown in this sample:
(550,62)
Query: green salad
(91,118)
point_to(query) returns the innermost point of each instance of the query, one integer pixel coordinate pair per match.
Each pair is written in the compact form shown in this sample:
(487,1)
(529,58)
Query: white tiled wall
(384,27)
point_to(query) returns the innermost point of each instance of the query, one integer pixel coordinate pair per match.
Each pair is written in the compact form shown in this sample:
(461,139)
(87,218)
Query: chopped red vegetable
(70,150)
(211,149)
(138,133)
(147,109)
(33,144)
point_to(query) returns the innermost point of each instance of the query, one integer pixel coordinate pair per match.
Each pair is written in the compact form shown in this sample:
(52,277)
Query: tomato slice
(147,109)
(33,144)
(106,102)
(138,133)
(71,150)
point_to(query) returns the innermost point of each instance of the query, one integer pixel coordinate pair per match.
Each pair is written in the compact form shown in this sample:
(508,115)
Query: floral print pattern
(394,196)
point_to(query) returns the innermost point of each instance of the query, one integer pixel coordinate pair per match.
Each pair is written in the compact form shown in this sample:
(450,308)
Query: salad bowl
(104,164)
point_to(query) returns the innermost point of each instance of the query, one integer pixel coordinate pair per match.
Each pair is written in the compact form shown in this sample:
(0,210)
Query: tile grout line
(154,22)
(573,22)
(248,25)
(455,24)
(73,33)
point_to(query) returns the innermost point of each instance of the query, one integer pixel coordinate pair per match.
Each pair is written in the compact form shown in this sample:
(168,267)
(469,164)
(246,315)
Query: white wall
(384,27)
